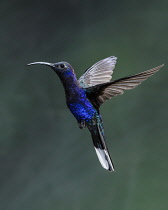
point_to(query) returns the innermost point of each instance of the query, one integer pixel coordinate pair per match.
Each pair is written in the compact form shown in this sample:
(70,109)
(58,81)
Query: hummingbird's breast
(80,106)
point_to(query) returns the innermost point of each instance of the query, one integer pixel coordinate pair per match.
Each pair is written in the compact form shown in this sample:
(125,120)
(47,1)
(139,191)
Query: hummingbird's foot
(82,124)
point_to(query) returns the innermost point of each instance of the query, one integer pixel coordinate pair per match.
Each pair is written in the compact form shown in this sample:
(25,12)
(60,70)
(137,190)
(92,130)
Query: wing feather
(100,72)
(100,93)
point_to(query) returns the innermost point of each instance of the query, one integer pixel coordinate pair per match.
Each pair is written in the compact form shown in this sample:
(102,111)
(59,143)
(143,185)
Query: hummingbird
(85,95)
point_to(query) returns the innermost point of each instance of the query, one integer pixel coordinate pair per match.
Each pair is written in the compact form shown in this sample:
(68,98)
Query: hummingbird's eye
(62,66)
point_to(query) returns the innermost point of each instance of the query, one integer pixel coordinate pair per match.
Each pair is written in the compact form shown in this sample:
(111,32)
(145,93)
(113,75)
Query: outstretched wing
(100,93)
(99,73)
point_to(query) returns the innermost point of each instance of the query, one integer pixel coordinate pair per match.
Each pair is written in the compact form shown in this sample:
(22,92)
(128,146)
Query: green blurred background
(46,161)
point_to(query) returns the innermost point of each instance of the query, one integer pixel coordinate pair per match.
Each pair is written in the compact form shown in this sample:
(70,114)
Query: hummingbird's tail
(97,132)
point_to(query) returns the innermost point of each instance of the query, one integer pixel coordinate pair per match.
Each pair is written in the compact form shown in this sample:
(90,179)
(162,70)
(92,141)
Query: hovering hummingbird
(85,96)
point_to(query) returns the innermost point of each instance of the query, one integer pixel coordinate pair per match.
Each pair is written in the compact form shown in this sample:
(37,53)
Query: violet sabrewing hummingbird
(85,96)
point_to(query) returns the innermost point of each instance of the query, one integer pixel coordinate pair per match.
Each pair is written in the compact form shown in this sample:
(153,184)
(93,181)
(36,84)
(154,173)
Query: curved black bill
(41,63)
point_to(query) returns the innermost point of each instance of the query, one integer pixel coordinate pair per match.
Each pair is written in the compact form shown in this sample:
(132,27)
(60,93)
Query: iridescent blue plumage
(76,98)
(85,96)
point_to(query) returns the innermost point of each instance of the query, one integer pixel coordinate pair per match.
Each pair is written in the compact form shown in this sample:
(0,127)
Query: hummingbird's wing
(100,93)
(99,73)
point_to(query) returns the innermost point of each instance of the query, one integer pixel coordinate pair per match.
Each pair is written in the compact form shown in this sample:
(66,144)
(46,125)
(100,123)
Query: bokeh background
(46,161)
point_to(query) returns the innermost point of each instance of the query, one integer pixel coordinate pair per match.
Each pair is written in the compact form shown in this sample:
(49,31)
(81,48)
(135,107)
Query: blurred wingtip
(161,65)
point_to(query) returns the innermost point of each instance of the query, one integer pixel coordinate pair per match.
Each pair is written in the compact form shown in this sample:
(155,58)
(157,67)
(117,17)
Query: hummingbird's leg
(82,124)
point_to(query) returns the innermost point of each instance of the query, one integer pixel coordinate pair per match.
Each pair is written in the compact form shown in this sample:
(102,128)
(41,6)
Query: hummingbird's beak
(41,63)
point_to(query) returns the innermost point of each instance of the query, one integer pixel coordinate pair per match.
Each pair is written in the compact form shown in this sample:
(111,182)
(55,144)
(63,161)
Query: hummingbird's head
(61,68)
